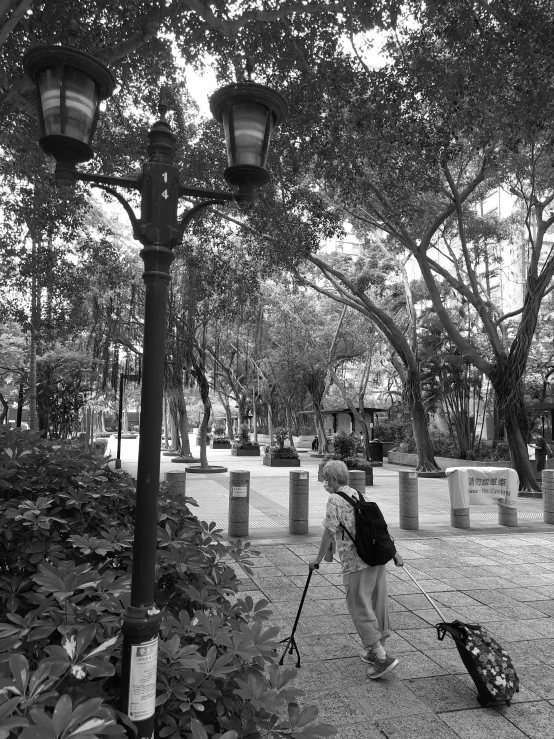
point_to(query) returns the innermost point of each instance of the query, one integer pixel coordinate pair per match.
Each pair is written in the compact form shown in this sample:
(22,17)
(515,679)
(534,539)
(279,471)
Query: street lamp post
(71,85)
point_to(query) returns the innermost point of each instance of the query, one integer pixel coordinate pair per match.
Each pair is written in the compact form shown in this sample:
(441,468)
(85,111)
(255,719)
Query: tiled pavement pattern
(505,582)
(502,578)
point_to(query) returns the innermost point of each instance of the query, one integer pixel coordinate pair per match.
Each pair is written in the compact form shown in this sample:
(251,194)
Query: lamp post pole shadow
(71,84)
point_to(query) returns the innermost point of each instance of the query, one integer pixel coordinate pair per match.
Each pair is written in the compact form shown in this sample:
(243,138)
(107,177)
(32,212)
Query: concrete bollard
(408,500)
(177,482)
(239,502)
(548,495)
(459,518)
(299,500)
(356,480)
(507,515)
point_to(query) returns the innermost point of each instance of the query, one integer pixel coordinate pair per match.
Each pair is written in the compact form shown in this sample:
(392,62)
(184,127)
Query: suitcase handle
(431,601)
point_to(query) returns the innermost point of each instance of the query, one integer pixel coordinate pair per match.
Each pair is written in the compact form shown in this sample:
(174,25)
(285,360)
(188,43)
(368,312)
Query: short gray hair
(338,470)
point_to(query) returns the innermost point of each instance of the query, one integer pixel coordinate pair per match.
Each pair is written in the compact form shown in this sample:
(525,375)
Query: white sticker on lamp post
(142,683)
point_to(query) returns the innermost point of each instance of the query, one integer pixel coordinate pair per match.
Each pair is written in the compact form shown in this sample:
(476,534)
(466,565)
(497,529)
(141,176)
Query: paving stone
(491,597)
(508,631)
(291,594)
(443,693)
(416,664)
(413,602)
(480,614)
(398,645)
(387,697)
(416,727)
(518,611)
(425,639)
(481,723)
(348,670)
(363,730)
(544,606)
(274,583)
(401,587)
(539,678)
(448,659)
(325,625)
(327,646)
(330,607)
(534,719)
(432,617)
(455,599)
(338,708)
(326,592)
(316,677)
(407,620)
(487,583)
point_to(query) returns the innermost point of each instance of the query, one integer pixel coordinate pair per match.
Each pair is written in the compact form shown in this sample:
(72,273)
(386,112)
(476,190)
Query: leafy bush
(393,430)
(445,446)
(243,440)
(278,450)
(65,561)
(357,463)
(344,446)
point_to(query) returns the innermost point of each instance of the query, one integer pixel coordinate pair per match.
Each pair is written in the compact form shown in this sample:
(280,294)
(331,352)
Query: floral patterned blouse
(339,511)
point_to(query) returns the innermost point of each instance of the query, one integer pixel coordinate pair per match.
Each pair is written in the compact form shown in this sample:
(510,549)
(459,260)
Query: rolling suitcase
(290,641)
(489,665)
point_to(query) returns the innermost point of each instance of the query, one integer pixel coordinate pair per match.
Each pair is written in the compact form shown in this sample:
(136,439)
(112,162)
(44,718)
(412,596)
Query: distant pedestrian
(366,587)
(315,444)
(541,451)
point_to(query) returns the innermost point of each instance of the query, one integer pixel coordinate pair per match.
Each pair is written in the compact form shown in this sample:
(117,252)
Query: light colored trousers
(368,603)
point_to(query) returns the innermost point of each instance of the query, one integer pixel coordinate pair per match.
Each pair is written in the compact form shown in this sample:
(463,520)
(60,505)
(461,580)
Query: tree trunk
(184,429)
(20,398)
(412,393)
(166,426)
(33,416)
(5,409)
(270,422)
(254,418)
(289,423)
(175,443)
(512,414)
(204,388)
(320,427)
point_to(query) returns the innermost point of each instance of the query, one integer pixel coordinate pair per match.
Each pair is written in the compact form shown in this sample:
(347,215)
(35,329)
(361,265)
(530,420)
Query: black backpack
(373,542)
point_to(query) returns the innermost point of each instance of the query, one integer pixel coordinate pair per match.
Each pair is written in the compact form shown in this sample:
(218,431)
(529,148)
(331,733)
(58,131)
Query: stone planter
(247,451)
(410,460)
(217,444)
(368,473)
(270,461)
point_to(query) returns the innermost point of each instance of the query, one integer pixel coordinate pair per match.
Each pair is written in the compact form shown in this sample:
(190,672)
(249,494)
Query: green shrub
(65,560)
(445,446)
(393,430)
(278,450)
(243,440)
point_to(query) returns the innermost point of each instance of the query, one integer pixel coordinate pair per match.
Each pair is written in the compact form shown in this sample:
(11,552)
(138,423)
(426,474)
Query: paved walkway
(499,577)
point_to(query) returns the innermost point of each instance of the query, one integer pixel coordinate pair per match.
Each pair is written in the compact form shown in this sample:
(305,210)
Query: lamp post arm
(132,217)
(191,214)
(131,183)
(186,191)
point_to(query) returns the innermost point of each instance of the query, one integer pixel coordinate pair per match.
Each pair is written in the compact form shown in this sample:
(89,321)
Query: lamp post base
(139,666)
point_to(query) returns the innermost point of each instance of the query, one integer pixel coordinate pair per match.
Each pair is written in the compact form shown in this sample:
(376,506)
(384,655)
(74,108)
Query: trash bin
(376,449)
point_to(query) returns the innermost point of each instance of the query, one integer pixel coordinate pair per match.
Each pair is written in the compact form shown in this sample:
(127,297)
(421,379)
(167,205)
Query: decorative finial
(162,105)
(249,67)
(73,30)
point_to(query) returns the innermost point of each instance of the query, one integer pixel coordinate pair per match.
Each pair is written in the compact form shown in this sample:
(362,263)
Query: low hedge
(66,534)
